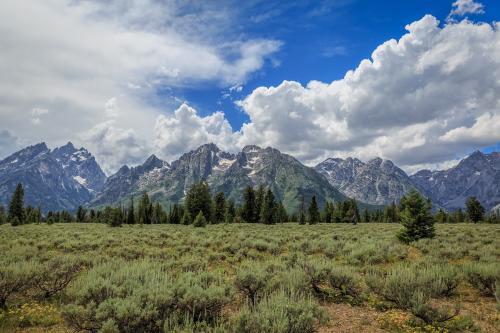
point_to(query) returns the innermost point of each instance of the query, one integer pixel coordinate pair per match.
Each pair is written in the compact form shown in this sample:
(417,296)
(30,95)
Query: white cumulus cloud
(185,129)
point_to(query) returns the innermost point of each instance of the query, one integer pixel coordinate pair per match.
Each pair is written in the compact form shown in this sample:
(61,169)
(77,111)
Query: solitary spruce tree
(16,206)
(314,216)
(200,220)
(130,212)
(249,208)
(475,211)
(219,208)
(268,212)
(198,198)
(416,217)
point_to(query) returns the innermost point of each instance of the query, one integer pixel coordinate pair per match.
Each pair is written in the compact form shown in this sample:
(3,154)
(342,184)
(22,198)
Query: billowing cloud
(185,129)
(463,7)
(8,143)
(486,130)
(115,146)
(424,98)
(74,57)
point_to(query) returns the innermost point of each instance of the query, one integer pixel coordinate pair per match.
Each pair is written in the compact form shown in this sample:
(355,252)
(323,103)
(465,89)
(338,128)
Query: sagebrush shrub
(15,277)
(280,313)
(251,281)
(483,277)
(142,297)
(55,274)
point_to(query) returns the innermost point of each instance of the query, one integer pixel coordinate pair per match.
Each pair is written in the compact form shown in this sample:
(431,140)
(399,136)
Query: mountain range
(66,177)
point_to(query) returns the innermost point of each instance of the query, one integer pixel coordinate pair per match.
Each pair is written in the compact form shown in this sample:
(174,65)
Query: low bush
(484,277)
(142,297)
(55,274)
(251,281)
(15,277)
(346,285)
(280,313)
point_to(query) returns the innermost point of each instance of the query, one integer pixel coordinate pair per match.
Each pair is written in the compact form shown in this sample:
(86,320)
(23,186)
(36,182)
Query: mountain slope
(62,179)
(288,178)
(476,175)
(377,182)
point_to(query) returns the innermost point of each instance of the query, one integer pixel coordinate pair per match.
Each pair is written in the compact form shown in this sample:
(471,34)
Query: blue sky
(314,79)
(322,40)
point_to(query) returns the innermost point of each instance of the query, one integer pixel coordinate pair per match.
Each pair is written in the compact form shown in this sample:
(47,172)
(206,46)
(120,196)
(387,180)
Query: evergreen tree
(219,208)
(200,220)
(92,215)
(329,210)
(352,212)
(198,198)
(175,215)
(268,212)
(3,217)
(81,214)
(441,216)
(131,212)
(186,217)
(302,214)
(416,218)
(158,216)
(260,196)
(145,210)
(116,217)
(475,211)
(282,215)
(230,211)
(366,216)
(16,207)
(458,216)
(34,216)
(314,216)
(248,213)
(391,213)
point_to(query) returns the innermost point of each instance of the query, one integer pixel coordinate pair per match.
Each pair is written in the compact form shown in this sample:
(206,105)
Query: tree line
(259,205)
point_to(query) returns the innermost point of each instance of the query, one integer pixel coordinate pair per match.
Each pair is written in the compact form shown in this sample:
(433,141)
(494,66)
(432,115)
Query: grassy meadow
(248,278)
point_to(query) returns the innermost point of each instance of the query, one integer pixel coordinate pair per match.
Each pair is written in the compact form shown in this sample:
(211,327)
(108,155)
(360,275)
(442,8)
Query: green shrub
(401,283)
(55,274)
(142,297)
(423,310)
(200,220)
(346,284)
(251,281)
(15,277)
(484,277)
(280,313)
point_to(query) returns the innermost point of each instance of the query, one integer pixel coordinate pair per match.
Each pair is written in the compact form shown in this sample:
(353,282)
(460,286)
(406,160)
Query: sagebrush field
(248,278)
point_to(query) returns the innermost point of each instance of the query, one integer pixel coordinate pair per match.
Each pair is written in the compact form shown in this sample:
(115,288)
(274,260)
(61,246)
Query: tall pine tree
(416,218)
(145,210)
(17,215)
(268,212)
(198,199)
(131,212)
(248,212)
(314,215)
(475,211)
(219,208)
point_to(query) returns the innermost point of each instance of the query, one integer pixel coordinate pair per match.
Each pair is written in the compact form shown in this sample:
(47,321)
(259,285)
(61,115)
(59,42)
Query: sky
(417,82)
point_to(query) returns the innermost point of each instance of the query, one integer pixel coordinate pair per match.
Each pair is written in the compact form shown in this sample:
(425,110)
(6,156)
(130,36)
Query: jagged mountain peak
(476,175)
(59,179)
(153,162)
(377,181)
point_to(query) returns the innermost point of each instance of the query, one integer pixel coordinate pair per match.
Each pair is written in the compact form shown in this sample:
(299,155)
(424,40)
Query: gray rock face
(476,175)
(81,166)
(229,173)
(377,182)
(62,179)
